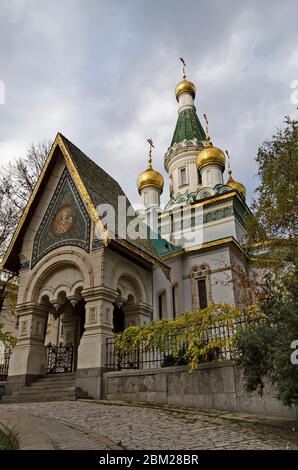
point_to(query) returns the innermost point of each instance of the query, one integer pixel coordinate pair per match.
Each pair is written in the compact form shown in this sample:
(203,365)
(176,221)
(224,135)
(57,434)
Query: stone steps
(50,388)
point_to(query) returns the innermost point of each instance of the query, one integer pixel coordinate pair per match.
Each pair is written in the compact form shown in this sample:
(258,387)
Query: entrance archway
(65,327)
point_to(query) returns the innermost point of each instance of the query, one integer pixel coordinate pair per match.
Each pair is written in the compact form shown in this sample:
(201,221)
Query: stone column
(70,323)
(92,349)
(28,359)
(136,314)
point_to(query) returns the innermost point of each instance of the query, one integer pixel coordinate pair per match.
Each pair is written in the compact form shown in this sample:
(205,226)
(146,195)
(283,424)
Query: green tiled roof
(164,247)
(103,189)
(188,127)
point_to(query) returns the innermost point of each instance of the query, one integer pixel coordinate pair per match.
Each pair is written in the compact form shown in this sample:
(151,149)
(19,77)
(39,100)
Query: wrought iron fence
(4,364)
(174,350)
(59,358)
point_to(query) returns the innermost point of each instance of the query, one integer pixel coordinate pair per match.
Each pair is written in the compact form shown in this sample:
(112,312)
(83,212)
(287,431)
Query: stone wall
(211,386)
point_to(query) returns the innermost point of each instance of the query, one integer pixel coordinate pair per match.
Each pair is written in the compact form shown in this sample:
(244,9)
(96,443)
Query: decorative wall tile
(66,221)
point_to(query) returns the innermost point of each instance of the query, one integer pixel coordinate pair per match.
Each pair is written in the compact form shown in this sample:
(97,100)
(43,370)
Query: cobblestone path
(91,425)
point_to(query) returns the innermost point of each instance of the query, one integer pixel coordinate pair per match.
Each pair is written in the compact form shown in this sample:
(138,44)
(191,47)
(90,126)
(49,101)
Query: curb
(30,437)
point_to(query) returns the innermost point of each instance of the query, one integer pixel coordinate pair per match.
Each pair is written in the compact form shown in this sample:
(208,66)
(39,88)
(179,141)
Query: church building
(83,279)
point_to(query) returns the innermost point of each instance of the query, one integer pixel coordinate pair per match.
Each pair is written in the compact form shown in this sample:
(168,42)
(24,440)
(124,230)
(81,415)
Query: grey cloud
(104,74)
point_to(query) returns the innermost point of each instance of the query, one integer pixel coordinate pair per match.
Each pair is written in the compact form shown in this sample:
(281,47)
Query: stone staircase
(58,387)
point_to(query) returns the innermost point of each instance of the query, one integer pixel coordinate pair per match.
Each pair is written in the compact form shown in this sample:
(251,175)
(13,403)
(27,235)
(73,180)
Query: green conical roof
(188,127)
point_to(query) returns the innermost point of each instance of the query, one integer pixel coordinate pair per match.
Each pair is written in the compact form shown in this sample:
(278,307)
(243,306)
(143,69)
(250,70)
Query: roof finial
(183,68)
(208,139)
(151,145)
(229,164)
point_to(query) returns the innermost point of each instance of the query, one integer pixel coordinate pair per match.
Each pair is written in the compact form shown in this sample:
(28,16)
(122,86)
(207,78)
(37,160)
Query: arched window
(146,200)
(175,300)
(183,176)
(203,303)
(162,304)
(201,287)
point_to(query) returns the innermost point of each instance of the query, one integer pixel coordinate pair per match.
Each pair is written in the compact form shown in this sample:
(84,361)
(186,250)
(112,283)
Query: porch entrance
(65,328)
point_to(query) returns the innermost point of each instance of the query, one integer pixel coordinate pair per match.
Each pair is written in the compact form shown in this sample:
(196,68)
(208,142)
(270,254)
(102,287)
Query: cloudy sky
(104,72)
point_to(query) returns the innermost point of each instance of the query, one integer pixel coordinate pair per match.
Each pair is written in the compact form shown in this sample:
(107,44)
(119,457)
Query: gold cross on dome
(184,68)
(208,139)
(151,146)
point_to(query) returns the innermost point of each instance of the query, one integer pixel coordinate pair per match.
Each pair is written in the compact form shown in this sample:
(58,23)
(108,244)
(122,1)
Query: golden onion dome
(150,177)
(210,155)
(185,87)
(239,187)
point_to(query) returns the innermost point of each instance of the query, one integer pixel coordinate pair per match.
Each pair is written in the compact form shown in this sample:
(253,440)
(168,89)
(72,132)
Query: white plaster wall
(219,263)
(160,284)
(211,176)
(240,232)
(219,229)
(150,196)
(117,266)
(185,101)
(185,161)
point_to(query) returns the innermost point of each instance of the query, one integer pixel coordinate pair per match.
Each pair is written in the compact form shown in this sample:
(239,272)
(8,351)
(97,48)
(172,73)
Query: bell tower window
(183,177)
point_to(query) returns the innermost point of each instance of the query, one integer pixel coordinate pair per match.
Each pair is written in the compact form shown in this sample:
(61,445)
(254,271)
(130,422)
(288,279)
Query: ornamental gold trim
(166,269)
(89,204)
(28,205)
(83,191)
(220,241)
(81,188)
(222,197)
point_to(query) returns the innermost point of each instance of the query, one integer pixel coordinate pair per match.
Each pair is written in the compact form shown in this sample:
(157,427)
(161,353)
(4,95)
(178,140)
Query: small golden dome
(185,87)
(150,177)
(239,187)
(210,155)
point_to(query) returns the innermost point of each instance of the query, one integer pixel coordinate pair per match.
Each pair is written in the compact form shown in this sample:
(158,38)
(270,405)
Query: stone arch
(132,306)
(57,261)
(134,280)
(130,288)
(198,269)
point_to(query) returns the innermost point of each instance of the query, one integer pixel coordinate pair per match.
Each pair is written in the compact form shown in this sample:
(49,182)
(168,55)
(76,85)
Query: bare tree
(17,181)
(20,176)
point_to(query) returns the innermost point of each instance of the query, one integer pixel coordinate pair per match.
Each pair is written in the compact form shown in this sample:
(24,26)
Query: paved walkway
(91,425)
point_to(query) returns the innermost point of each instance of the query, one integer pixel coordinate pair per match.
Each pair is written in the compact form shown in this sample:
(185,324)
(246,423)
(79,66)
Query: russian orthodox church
(81,281)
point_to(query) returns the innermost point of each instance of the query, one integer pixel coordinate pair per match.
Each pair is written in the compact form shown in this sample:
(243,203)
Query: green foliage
(274,211)
(7,338)
(186,335)
(8,439)
(265,348)
(177,359)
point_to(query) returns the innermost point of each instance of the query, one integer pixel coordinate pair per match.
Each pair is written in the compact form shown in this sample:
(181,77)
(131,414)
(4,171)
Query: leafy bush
(8,439)
(265,347)
(188,337)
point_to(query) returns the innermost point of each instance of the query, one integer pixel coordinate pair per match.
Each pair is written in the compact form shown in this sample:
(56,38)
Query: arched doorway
(64,329)
(130,308)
